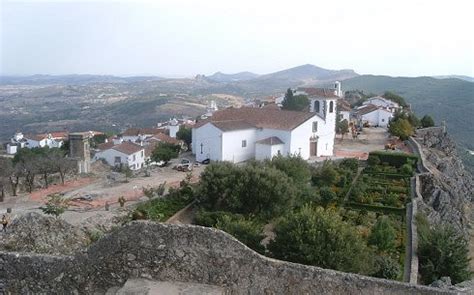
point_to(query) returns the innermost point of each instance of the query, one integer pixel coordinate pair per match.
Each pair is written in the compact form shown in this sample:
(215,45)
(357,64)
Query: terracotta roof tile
(318,92)
(259,118)
(128,148)
(142,131)
(105,146)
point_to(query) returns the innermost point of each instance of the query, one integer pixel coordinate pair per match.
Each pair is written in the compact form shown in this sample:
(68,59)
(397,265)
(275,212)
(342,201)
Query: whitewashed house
(52,140)
(126,153)
(344,109)
(374,115)
(139,134)
(240,134)
(382,102)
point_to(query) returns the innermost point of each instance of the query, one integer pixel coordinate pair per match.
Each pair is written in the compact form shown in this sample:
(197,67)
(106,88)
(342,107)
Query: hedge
(377,208)
(396,159)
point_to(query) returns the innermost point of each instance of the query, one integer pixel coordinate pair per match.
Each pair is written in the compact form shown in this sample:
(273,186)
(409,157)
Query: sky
(175,38)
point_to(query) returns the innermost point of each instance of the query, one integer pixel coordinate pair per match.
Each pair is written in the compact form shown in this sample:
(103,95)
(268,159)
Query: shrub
(351,164)
(152,192)
(427,121)
(396,159)
(245,230)
(406,169)
(386,268)
(442,251)
(373,160)
(327,195)
(56,205)
(383,234)
(319,237)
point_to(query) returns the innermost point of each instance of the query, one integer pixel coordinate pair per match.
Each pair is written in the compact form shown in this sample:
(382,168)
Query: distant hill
(242,76)
(461,77)
(70,79)
(309,72)
(451,100)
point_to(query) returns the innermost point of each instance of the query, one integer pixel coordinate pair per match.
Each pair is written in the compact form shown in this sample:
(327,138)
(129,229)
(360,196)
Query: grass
(160,209)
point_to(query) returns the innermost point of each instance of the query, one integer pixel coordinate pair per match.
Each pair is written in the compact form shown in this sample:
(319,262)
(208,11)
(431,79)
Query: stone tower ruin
(79,150)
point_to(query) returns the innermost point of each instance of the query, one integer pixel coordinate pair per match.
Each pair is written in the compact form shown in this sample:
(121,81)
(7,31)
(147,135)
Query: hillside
(221,77)
(461,77)
(450,100)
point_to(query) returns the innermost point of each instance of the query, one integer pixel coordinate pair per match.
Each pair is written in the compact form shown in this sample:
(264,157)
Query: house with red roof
(125,154)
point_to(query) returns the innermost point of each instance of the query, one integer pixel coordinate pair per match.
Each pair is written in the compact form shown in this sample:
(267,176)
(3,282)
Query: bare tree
(5,173)
(60,163)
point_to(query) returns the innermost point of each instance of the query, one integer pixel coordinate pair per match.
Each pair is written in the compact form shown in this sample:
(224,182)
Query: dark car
(206,161)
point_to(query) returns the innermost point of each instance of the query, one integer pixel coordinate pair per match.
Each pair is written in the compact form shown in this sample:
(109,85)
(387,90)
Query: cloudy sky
(184,38)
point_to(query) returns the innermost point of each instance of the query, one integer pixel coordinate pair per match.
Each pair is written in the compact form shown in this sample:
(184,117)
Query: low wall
(185,253)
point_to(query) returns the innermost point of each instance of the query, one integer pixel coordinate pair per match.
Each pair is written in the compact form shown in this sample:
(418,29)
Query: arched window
(316,106)
(331,107)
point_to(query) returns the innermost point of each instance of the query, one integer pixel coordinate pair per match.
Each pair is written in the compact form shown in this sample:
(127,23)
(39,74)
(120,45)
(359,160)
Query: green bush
(247,231)
(373,160)
(383,235)
(442,251)
(396,159)
(319,237)
(386,268)
(351,164)
(210,218)
(406,169)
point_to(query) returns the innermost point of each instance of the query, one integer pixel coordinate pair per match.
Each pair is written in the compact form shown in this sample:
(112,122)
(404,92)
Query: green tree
(386,268)
(395,98)
(327,195)
(245,230)
(326,175)
(56,205)
(383,235)
(294,103)
(249,189)
(401,128)
(165,152)
(319,237)
(6,172)
(185,134)
(427,121)
(442,251)
(342,128)
(294,166)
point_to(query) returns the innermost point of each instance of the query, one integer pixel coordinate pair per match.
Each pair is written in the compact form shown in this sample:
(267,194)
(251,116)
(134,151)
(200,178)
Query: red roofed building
(126,153)
(240,134)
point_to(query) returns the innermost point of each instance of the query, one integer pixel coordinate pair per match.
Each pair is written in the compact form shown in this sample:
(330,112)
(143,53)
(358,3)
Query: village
(260,130)
(236,169)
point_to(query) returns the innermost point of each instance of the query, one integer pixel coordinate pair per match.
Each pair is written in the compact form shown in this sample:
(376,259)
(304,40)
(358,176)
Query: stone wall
(185,253)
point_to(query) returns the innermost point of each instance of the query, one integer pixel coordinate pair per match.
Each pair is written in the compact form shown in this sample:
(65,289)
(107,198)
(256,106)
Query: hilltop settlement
(338,180)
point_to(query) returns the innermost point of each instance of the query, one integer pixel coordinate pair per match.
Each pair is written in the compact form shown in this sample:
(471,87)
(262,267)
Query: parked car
(206,161)
(184,165)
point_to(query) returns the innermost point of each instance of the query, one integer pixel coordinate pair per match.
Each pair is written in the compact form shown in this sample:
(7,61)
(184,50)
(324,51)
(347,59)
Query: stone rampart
(184,253)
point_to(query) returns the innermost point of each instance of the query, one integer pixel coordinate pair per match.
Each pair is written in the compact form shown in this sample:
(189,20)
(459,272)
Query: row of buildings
(238,134)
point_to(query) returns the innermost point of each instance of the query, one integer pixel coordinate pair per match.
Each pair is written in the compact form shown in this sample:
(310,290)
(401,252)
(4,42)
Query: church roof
(247,117)
(318,92)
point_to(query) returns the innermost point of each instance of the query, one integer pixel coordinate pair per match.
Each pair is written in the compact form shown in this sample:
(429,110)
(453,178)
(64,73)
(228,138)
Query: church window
(331,107)
(316,106)
(315,126)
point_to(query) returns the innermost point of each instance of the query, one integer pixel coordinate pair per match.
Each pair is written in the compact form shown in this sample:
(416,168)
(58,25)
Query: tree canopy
(185,134)
(427,121)
(320,237)
(395,98)
(442,251)
(249,189)
(165,152)
(294,102)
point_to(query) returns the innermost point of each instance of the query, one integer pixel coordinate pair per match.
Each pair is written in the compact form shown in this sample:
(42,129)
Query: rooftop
(128,148)
(247,117)
(270,141)
(318,92)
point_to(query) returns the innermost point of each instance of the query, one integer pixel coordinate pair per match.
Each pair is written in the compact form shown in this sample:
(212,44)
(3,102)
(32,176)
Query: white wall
(283,135)
(173,130)
(110,154)
(211,139)
(265,151)
(377,118)
(31,143)
(345,116)
(232,149)
(12,149)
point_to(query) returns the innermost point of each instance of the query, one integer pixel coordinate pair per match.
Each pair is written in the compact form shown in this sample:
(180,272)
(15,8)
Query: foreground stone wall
(185,253)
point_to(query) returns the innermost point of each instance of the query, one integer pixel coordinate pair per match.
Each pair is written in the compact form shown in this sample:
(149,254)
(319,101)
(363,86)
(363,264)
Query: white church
(240,134)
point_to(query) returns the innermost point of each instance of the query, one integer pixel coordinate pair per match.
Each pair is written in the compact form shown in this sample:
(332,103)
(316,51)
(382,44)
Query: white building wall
(173,130)
(345,116)
(283,135)
(110,154)
(12,149)
(31,143)
(265,151)
(377,118)
(232,149)
(211,139)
